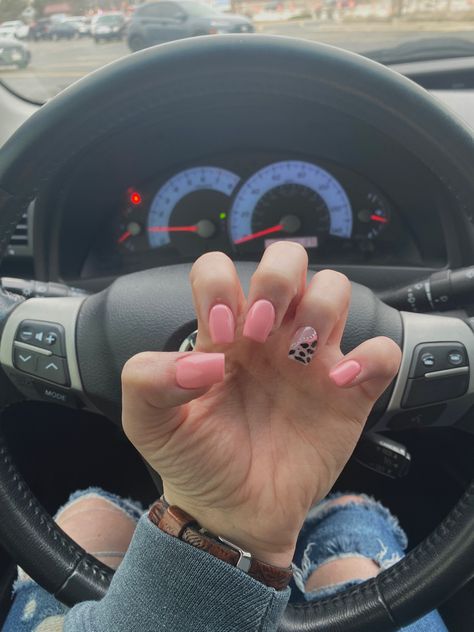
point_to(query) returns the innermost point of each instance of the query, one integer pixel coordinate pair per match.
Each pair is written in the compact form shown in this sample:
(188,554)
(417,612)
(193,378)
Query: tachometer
(289,200)
(189,209)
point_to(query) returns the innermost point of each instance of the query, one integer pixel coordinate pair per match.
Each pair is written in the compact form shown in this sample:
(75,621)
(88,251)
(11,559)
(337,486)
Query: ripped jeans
(363,529)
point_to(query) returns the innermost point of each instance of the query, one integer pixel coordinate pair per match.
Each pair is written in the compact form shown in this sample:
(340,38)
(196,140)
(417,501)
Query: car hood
(10,42)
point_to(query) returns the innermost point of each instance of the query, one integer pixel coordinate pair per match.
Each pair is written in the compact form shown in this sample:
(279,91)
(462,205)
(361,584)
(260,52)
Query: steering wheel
(152,310)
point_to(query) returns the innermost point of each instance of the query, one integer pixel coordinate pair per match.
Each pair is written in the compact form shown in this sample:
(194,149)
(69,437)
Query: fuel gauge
(374,216)
(131,234)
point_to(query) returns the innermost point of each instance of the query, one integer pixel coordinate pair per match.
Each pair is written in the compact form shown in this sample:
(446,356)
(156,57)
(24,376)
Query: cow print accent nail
(303,345)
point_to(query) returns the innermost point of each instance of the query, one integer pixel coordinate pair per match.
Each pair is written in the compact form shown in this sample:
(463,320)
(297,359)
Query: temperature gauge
(374,216)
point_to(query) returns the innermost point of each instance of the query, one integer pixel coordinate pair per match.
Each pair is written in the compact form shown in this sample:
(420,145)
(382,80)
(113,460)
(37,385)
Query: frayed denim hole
(322,512)
(130,507)
(381,558)
(21,583)
(133,509)
(340,547)
(298,578)
(335,548)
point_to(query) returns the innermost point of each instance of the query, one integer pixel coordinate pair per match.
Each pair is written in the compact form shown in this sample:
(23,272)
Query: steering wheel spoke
(435,384)
(38,350)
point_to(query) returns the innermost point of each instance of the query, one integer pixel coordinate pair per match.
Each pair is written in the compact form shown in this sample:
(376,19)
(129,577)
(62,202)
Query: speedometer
(293,200)
(188,209)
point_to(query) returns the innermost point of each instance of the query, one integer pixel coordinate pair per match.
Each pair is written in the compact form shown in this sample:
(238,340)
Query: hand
(248,453)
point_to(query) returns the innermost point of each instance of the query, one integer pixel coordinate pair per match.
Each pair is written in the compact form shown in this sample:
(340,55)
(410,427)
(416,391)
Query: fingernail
(221,324)
(198,370)
(260,320)
(345,372)
(303,345)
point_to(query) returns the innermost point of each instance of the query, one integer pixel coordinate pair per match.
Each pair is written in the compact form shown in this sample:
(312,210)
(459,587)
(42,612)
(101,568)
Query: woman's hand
(249,451)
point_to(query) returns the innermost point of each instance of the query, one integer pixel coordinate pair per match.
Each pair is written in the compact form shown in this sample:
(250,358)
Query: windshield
(39,57)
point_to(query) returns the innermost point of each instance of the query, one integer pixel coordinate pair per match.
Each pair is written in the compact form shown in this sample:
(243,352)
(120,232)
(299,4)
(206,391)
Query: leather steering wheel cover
(82,114)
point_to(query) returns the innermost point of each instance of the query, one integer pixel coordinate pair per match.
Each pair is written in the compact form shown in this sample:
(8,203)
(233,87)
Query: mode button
(57,395)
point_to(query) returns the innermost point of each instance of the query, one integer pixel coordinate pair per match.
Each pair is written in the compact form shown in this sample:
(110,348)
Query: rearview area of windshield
(46,46)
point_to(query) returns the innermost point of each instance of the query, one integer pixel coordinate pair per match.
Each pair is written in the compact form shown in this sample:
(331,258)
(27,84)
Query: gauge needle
(124,237)
(261,233)
(378,218)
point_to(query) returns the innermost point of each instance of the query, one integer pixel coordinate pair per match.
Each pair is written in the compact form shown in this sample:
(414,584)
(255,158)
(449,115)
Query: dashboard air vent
(21,241)
(20,236)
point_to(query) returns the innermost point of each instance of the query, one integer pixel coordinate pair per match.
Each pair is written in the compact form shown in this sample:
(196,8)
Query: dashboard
(359,201)
(243,202)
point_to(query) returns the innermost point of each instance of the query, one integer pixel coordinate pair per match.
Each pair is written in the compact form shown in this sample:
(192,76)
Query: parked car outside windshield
(108,27)
(13,53)
(158,22)
(14,28)
(388,30)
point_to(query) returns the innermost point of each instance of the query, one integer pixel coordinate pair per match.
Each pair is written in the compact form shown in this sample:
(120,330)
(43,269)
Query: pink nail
(260,320)
(198,370)
(221,324)
(345,372)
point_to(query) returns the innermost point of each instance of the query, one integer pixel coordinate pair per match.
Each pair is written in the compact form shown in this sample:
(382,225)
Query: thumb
(155,387)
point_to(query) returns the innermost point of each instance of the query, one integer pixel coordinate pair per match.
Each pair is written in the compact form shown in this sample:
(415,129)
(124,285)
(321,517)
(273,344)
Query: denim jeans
(356,529)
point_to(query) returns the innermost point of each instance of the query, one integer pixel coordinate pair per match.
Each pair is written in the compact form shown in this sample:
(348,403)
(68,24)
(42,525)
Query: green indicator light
(222,215)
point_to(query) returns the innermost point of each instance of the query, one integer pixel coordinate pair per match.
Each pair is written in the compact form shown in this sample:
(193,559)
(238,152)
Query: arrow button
(25,360)
(53,368)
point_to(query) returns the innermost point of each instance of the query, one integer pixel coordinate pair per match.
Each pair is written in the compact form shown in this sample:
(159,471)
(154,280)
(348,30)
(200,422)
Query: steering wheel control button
(431,357)
(26,334)
(52,368)
(455,358)
(51,338)
(428,360)
(25,360)
(45,335)
(422,391)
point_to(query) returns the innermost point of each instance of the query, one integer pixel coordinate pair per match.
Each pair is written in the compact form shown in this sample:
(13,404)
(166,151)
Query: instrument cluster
(240,207)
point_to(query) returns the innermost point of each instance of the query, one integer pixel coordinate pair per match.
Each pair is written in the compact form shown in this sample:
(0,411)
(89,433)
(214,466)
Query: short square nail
(221,324)
(198,370)
(303,345)
(345,372)
(260,320)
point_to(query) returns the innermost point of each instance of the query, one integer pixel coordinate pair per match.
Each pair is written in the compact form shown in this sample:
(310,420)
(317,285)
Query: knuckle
(136,370)
(275,282)
(390,353)
(291,248)
(336,279)
(329,310)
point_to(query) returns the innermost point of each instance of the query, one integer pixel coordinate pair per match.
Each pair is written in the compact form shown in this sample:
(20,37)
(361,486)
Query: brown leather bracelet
(179,524)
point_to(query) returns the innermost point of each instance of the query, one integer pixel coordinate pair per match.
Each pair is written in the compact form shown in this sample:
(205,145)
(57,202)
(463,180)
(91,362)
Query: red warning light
(135,198)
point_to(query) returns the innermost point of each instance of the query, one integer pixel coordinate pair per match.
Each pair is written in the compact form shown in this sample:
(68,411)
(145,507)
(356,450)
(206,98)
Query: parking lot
(55,65)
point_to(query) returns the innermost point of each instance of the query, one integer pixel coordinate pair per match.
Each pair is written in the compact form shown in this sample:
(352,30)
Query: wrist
(272,547)
(178,523)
